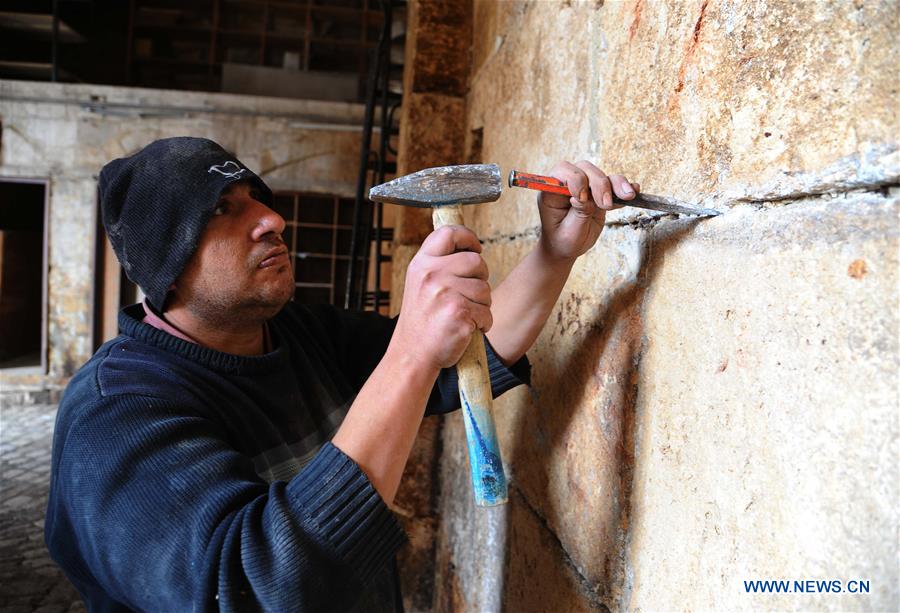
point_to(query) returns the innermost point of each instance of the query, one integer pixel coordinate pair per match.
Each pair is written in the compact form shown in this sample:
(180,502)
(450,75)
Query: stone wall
(432,133)
(713,400)
(65,133)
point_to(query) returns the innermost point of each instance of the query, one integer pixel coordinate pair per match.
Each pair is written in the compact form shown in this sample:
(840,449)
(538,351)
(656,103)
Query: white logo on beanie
(223,169)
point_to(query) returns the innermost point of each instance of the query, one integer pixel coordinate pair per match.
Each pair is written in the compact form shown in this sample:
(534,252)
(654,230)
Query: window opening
(317,232)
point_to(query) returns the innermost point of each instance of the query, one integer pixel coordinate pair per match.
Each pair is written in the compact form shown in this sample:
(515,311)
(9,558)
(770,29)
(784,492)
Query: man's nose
(267,221)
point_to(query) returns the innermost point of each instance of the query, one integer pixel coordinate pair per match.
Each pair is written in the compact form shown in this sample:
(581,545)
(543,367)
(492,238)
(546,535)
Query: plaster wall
(65,133)
(713,400)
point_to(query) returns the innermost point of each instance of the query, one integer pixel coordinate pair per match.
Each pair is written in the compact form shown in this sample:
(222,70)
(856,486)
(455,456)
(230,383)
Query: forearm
(522,303)
(379,430)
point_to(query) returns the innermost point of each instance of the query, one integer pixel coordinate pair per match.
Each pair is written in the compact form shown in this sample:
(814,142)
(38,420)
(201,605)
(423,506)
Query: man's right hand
(445,298)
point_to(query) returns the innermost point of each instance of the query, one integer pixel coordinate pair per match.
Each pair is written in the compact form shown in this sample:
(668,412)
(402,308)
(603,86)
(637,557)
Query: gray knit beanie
(156,203)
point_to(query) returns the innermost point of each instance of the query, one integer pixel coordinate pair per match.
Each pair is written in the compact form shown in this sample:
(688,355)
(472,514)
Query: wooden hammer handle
(488,478)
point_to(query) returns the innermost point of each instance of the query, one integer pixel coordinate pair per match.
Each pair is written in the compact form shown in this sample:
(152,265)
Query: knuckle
(467,329)
(474,260)
(453,306)
(439,238)
(483,319)
(458,308)
(440,292)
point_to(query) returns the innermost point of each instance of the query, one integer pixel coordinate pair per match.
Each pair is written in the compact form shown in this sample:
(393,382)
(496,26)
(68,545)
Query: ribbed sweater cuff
(349,513)
(503,378)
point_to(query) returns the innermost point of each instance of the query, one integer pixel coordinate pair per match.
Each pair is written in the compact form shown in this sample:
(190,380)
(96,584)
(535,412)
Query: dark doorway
(22,273)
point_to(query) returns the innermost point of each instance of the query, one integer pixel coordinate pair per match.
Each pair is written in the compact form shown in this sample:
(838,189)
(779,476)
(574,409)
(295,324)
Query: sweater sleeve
(360,340)
(151,503)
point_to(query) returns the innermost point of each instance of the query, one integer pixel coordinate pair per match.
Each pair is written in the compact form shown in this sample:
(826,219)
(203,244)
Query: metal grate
(317,232)
(370,237)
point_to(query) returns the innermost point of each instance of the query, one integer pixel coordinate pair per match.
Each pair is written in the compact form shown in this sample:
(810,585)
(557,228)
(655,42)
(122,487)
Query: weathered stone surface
(401,256)
(73,204)
(682,372)
(432,126)
(818,78)
(431,134)
(65,133)
(477,570)
(713,400)
(774,441)
(439,35)
(765,98)
(416,503)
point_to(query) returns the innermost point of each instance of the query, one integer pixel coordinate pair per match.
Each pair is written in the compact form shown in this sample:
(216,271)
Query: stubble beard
(249,307)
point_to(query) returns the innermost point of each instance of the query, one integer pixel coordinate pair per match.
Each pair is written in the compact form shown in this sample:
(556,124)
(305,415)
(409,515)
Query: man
(231,449)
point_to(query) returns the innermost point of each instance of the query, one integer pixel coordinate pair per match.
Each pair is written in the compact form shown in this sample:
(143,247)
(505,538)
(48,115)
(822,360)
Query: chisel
(644,201)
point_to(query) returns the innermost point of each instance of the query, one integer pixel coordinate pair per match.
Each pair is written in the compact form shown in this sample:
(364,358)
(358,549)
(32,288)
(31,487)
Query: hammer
(444,190)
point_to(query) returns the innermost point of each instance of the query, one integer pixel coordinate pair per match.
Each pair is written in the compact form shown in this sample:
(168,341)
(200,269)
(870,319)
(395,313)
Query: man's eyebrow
(229,189)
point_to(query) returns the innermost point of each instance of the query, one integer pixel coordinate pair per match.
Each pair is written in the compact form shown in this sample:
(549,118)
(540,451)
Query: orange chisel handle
(538,182)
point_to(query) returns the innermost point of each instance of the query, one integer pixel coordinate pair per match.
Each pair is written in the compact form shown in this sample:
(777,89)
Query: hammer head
(442,186)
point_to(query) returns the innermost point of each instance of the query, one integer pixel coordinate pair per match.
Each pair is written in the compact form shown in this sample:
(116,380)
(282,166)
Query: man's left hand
(571,226)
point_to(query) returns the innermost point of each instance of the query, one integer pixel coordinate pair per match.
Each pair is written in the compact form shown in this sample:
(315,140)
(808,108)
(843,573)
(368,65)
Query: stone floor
(29,580)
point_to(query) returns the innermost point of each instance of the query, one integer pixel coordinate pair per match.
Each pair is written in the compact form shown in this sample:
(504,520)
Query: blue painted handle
(488,478)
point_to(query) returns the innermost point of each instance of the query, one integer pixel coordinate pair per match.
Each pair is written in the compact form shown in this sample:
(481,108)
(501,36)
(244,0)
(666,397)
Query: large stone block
(705,101)
(73,218)
(400,258)
(752,99)
(431,134)
(416,503)
(711,399)
(439,36)
(497,558)
(567,439)
(766,424)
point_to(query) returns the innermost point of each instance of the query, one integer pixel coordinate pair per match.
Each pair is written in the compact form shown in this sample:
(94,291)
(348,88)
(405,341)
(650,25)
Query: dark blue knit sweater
(186,479)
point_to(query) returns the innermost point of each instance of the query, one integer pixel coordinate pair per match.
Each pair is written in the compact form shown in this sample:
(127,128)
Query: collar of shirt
(158,321)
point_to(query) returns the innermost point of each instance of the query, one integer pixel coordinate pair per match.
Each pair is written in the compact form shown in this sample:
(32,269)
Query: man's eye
(221,208)
(256,195)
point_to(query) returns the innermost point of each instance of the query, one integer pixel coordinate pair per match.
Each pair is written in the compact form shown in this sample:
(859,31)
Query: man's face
(241,267)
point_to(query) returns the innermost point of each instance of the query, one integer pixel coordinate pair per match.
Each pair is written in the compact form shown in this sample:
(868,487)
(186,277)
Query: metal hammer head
(442,186)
